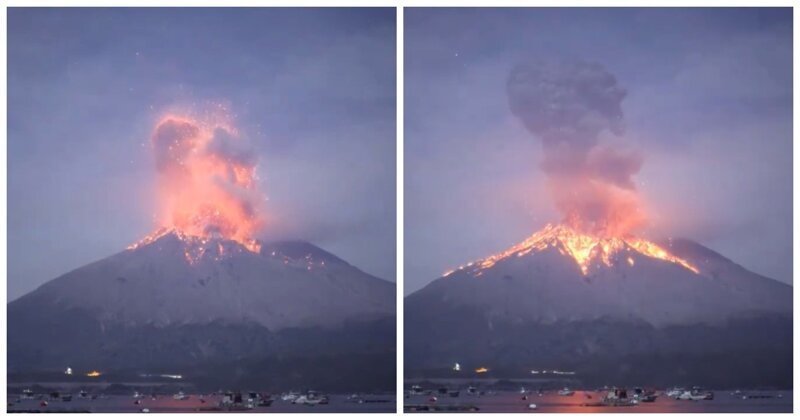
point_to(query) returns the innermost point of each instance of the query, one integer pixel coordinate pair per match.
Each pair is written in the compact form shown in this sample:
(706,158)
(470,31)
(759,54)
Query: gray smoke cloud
(568,105)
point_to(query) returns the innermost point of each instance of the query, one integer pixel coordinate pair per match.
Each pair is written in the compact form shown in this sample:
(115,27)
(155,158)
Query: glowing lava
(583,248)
(206,184)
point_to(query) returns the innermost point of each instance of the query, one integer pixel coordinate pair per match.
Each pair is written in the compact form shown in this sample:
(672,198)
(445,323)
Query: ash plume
(568,106)
(206,178)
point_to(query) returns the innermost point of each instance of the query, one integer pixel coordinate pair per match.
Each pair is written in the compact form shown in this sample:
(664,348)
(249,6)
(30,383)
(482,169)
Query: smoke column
(567,105)
(206,179)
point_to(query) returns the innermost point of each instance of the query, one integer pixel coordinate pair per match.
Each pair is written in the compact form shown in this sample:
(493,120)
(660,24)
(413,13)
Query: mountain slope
(155,284)
(539,308)
(178,302)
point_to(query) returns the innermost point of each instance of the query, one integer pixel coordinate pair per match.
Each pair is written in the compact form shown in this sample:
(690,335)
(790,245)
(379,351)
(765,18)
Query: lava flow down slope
(590,296)
(202,296)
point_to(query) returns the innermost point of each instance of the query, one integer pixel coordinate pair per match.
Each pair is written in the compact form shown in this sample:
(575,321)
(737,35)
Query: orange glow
(93,374)
(206,183)
(481,370)
(585,249)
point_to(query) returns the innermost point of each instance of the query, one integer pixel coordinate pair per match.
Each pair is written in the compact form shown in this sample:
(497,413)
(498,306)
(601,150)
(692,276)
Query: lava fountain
(207,183)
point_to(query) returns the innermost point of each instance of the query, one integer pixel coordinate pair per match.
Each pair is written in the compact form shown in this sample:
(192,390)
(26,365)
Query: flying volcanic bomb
(207,183)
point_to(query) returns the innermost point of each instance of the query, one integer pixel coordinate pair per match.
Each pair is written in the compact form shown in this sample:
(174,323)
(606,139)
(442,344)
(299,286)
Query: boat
(566,392)
(696,395)
(531,406)
(27,394)
(454,394)
(311,398)
(648,398)
(83,394)
(643,395)
(617,397)
(674,392)
(233,401)
(472,390)
(180,396)
(289,396)
(252,397)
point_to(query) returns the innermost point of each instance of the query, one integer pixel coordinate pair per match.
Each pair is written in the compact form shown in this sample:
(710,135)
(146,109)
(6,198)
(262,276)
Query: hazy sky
(709,104)
(313,89)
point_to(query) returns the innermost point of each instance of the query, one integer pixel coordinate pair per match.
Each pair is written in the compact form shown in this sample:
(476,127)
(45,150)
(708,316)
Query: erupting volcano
(589,295)
(568,106)
(203,296)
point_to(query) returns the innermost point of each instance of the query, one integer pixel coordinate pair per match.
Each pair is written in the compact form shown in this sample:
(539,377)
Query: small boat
(83,394)
(233,401)
(252,397)
(643,395)
(27,394)
(311,398)
(647,398)
(674,392)
(472,390)
(66,397)
(180,396)
(617,397)
(566,392)
(454,394)
(531,406)
(696,395)
(289,396)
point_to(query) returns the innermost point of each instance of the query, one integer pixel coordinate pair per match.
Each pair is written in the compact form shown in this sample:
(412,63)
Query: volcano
(609,310)
(220,312)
